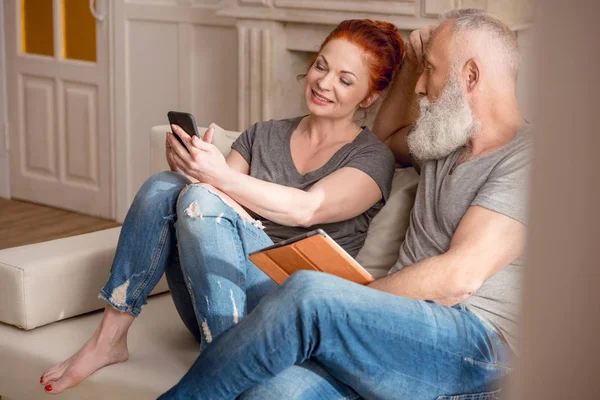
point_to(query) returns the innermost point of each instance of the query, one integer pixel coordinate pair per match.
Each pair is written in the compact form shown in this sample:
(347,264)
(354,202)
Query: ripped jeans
(314,337)
(189,233)
(202,246)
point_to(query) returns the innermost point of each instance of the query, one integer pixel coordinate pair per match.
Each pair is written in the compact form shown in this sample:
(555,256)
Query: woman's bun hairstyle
(382,43)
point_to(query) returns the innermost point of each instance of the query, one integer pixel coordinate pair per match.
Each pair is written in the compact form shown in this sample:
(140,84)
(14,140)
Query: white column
(256,65)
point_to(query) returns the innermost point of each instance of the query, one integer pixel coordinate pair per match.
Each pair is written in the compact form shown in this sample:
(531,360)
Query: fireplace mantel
(406,14)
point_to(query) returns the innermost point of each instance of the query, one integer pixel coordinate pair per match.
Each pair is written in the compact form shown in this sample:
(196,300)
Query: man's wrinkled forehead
(439,42)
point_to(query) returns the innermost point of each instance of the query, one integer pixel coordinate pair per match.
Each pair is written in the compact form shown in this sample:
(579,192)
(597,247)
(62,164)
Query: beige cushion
(388,228)
(161,351)
(58,279)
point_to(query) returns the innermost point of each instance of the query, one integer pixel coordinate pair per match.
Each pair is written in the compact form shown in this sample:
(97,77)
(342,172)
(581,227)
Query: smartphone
(185,121)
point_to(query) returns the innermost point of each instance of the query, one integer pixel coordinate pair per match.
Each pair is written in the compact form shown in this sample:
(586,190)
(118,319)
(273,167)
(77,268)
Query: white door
(58,103)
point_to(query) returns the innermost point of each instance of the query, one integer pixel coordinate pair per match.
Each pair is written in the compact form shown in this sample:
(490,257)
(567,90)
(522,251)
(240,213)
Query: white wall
(168,55)
(4,160)
(230,62)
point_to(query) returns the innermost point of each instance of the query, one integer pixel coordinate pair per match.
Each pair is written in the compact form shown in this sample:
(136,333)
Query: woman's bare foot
(108,345)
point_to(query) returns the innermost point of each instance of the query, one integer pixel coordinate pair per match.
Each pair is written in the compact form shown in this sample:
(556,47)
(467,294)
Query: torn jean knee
(203,202)
(193,211)
(214,241)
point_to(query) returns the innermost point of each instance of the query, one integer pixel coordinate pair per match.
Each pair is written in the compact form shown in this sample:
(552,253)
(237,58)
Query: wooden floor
(26,223)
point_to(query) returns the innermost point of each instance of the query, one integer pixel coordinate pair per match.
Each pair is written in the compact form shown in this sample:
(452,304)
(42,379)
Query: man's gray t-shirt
(266,147)
(497,181)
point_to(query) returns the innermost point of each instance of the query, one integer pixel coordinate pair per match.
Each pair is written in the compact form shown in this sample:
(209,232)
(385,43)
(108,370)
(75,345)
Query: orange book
(313,251)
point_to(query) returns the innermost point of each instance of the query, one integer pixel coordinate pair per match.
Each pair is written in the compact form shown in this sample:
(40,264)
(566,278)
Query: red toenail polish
(42,379)
(48,388)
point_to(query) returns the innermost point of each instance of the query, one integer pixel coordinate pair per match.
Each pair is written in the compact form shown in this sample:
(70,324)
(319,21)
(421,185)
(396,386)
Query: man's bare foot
(108,345)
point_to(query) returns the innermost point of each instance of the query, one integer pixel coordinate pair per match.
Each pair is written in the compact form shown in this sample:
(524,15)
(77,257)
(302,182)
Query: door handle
(99,17)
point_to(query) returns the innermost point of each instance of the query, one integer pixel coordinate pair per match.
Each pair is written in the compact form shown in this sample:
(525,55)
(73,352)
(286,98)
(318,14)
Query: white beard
(443,126)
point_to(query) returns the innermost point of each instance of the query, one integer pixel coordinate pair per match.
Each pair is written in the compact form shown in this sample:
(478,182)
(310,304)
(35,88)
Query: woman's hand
(203,162)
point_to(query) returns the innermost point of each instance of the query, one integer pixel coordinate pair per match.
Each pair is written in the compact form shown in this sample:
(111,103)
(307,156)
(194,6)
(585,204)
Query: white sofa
(49,305)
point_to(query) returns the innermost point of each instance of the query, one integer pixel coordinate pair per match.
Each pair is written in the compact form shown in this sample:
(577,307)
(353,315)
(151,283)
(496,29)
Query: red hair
(380,40)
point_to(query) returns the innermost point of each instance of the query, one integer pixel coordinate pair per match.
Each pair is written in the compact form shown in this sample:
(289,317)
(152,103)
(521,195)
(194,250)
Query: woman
(282,178)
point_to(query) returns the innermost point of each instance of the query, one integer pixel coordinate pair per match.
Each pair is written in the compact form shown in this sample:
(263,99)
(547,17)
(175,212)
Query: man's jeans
(314,337)
(381,345)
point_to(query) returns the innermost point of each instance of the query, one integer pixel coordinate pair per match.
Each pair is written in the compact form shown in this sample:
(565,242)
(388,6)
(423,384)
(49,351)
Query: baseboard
(4,176)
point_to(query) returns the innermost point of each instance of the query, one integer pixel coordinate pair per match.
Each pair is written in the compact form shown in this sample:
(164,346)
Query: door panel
(38,143)
(81,149)
(59,105)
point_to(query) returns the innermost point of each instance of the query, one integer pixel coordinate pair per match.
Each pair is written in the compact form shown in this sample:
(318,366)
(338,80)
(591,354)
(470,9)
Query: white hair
(493,31)
(443,126)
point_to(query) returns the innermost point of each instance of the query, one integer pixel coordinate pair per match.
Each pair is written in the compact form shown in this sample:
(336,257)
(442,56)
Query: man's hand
(417,43)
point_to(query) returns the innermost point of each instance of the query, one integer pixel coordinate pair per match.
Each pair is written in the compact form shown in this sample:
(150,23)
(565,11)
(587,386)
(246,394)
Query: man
(443,322)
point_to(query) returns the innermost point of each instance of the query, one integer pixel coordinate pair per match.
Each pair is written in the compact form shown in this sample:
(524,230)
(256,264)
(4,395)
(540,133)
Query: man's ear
(472,73)
(366,103)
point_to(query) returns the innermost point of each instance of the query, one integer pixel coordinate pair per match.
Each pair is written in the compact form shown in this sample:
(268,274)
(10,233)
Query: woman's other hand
(170,155)
(203,162)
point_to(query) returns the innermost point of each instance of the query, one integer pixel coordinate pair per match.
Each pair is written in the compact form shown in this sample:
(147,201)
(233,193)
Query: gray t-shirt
(497,181)
(266,147)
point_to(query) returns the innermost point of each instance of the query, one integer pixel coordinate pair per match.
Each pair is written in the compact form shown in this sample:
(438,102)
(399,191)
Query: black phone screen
(185,121)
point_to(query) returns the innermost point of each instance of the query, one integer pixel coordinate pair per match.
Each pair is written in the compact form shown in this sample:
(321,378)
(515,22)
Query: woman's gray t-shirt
(266,147)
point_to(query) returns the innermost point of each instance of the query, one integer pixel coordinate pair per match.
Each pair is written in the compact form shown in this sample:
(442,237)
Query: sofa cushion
(46,282)
(161,350)
(388,228)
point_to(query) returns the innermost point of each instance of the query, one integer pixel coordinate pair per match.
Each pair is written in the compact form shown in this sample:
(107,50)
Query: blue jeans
(382,346)
(314,337)
(202,245)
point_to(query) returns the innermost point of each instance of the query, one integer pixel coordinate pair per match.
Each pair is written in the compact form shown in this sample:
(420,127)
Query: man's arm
(484,243)
(399,111)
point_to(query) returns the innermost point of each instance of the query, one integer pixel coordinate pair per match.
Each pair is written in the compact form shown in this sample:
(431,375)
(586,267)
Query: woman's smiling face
(338,81)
